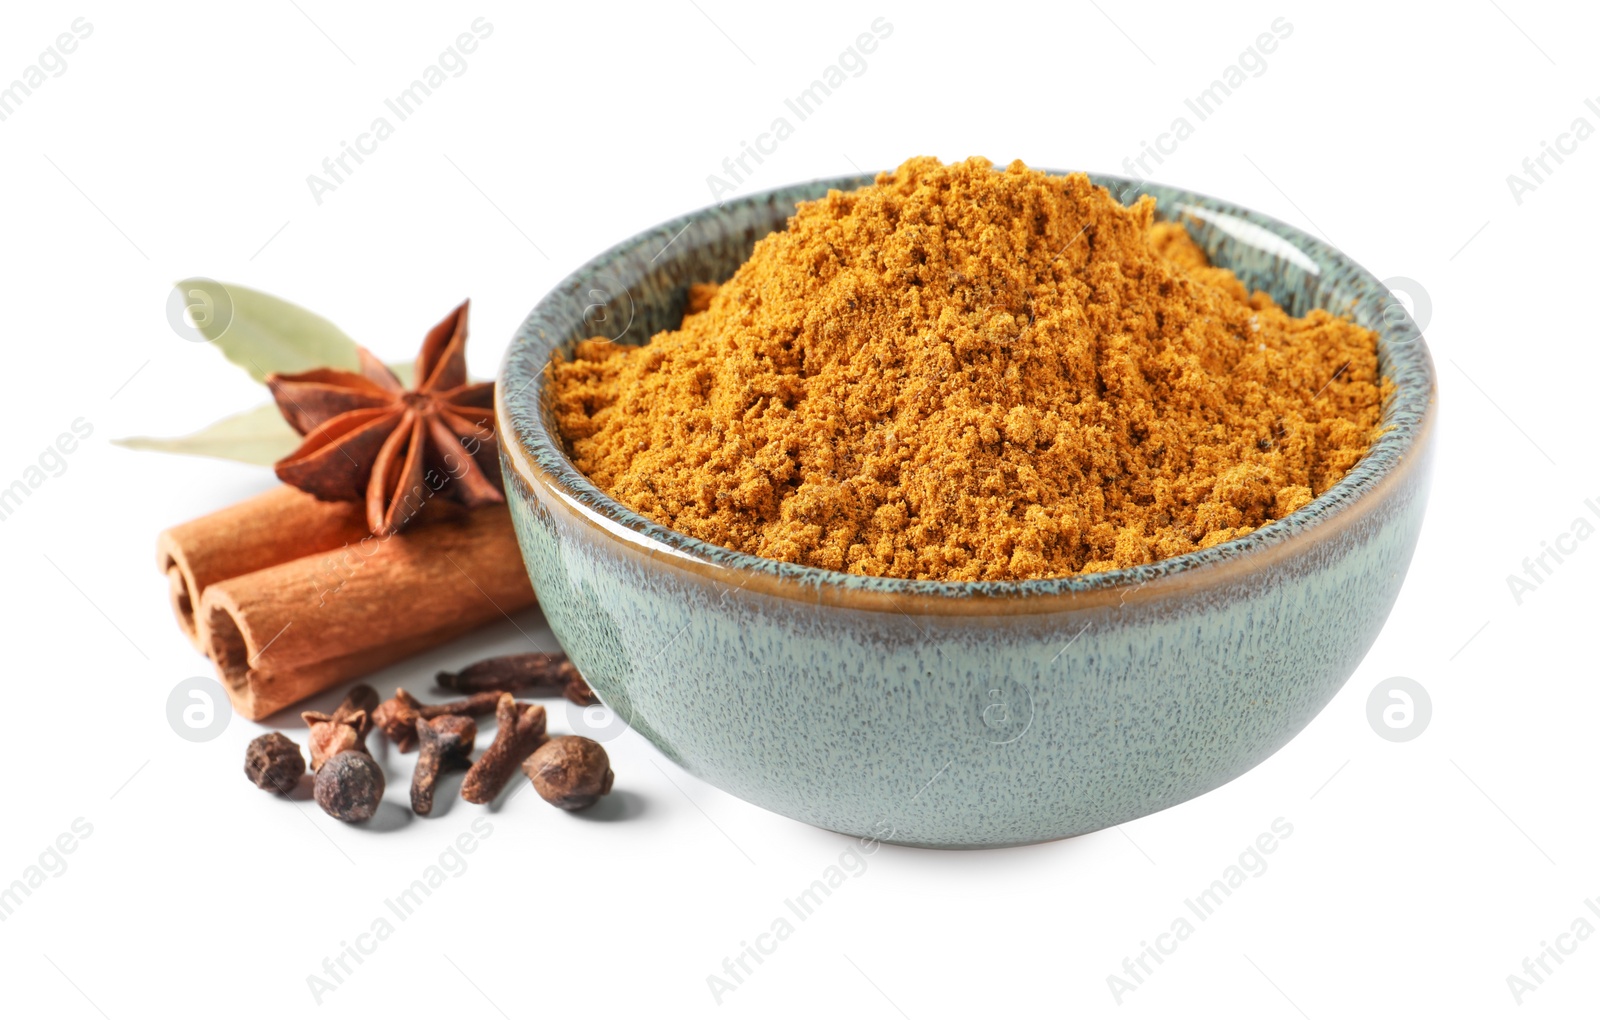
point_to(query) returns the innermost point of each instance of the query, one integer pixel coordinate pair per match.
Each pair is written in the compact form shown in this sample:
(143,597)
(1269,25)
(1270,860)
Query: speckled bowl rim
(1406,430)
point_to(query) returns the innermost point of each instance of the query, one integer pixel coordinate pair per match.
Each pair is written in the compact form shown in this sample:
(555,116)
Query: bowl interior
(640,287)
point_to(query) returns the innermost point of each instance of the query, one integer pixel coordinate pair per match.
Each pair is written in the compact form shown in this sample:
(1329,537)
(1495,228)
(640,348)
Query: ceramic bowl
(975,714)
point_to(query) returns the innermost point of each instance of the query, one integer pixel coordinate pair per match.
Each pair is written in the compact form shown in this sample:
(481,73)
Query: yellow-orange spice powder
(963,373)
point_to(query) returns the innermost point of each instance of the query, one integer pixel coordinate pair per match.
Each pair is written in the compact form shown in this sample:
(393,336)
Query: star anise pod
(369,439)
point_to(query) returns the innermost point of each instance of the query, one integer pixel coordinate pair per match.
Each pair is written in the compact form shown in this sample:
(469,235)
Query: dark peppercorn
(273,762)
(349,786)
(570,772)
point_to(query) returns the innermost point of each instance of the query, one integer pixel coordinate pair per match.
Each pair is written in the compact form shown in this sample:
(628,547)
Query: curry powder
(963,373)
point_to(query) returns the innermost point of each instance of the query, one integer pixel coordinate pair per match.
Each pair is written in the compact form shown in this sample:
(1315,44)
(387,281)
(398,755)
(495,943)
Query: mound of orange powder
(963,373)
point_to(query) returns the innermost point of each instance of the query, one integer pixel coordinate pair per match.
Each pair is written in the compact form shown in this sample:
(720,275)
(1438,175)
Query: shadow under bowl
(962,715)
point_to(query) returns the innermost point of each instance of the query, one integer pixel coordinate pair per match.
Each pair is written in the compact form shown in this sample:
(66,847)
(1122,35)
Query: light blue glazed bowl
(959,715)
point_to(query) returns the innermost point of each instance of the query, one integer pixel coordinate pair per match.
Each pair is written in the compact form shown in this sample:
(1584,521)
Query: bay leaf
(263,334)
(257,436)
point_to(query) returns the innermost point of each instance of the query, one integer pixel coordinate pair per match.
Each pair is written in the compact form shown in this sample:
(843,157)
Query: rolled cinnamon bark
(293,629)
(275,527)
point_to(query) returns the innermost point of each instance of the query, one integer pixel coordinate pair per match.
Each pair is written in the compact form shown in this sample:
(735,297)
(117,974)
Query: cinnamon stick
(293,629)
(264,531)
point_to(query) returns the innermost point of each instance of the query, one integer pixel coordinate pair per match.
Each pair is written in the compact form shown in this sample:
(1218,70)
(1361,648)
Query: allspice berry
(274,762)
(570,772)
(349,786)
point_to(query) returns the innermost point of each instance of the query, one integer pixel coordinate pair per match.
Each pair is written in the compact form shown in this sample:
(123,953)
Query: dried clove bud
(349,786)
(570,772)
(510,673)
(397,717)
(577,691)
(535,673)
(521,730)
(273,762)
(446,741)
(345,730)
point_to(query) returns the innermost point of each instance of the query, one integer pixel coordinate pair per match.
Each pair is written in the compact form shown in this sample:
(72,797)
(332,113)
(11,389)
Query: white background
(178,143)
